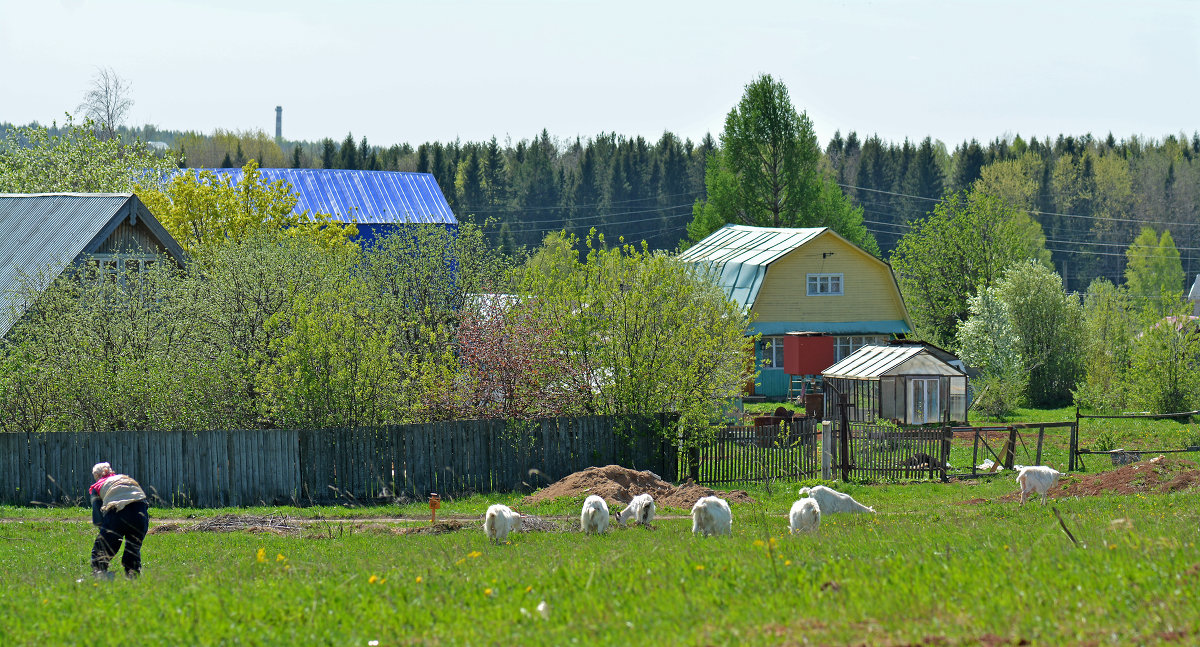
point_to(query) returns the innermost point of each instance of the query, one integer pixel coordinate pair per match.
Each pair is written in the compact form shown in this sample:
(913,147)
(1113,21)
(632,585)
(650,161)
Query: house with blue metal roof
(43,234)
(815,297)
(377,202)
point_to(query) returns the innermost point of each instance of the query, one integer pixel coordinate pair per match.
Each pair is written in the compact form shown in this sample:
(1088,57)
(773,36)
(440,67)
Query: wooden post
(1010,448)
(975,455)
(947,436)
(1041,436)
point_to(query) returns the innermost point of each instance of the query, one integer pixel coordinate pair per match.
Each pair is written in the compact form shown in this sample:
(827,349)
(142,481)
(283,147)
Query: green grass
(924,567)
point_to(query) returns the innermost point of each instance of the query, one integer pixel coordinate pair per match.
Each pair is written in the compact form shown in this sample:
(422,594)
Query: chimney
(278,123)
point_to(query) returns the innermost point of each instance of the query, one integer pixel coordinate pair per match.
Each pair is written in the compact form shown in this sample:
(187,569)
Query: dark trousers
(129,523)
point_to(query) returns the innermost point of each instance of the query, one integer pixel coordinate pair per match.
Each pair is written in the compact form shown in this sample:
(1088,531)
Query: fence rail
(250,467)
(757,453)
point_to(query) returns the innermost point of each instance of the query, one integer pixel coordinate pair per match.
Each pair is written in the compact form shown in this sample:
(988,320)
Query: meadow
(939,564)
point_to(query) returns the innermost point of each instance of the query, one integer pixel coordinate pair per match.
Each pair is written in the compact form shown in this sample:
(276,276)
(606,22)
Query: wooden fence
(883,452)
(743,453)
(252,467)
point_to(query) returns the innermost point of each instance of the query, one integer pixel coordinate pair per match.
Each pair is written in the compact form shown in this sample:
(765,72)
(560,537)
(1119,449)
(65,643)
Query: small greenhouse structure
(907,384)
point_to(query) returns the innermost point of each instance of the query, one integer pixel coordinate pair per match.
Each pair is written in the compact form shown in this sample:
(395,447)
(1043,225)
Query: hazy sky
(419,71)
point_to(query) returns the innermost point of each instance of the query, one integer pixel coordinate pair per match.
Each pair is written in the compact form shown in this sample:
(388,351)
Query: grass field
(928,569)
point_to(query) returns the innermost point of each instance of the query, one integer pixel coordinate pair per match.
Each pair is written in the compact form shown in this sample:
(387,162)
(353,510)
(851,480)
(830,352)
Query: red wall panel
(807,355)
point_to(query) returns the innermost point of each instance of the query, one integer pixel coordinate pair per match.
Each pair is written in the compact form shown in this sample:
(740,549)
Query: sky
(442,70)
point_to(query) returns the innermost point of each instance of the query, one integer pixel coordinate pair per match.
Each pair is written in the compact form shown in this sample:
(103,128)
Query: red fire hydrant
(435,502)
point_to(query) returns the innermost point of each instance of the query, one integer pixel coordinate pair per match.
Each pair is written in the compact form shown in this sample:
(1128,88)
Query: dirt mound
(1158,475)
(618,485)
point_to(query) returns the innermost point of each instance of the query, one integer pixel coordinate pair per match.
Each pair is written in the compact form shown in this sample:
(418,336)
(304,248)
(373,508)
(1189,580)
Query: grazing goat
(640,510)
(832,501)
(711,516)
(1036,478)
(499,521)
(594,517)
(805,516)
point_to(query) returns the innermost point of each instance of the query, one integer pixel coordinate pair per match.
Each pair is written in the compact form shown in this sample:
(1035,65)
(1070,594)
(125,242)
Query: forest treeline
(1091,195)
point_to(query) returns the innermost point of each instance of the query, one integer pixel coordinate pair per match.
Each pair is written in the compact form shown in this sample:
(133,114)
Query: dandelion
(261,555)
(473,554)
(280,558)
(787,563)
(758,543)
(699,567)
(373,579)
(529,589)
(487,592)
(460,562)
(419,580)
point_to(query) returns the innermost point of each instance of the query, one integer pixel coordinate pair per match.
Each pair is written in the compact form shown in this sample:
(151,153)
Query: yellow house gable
(868,288)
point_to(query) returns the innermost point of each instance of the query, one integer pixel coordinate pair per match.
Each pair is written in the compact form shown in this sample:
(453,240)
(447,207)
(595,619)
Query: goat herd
(711,515)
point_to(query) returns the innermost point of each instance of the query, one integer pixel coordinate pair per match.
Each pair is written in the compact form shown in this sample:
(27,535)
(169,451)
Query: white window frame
(822,284)
(843,347)
(772,352)
(929,395)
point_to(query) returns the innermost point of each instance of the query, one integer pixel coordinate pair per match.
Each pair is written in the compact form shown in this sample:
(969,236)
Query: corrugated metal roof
(371,197)
(871,362)
(1194,293)
(739,255)
(50,230)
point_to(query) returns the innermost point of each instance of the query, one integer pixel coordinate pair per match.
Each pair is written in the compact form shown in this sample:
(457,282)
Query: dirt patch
(273,524)
(1160,475)
(618,485)
(439,528)
(971,502)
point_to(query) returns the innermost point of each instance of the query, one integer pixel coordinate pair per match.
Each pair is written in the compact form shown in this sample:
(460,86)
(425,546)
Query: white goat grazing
(832,501)
(1036,478)
(499,521)
(640,510)
(805,516)
(594,517)
(711,516)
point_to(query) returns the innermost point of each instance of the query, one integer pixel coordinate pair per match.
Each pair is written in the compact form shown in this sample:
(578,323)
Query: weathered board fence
(883,452)
(252,467)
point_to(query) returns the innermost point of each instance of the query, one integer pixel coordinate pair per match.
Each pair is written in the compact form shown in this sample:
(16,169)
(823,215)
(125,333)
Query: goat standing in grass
(640,510)
(711,516)
(594,516)
(499,521)
(805,516)
(1036,478)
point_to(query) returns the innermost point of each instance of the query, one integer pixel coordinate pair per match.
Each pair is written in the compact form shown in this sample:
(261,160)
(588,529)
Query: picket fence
(217,468)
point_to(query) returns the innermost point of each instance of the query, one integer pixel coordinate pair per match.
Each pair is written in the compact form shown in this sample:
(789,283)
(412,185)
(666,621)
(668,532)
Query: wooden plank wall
(216,468)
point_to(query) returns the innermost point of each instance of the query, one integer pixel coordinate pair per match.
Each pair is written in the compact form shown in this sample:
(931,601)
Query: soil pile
(618,485)
(1159,475)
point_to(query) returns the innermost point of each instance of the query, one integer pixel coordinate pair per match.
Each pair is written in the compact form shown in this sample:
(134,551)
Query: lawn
(929,568)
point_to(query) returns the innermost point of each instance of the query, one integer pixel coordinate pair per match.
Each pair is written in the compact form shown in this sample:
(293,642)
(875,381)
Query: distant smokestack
(278,122)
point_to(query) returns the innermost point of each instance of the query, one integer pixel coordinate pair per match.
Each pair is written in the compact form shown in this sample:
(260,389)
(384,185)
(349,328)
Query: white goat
(711,516)
(832,501)
(594,517)
(499,521)
(640,510)
(805,516)
(1036,478)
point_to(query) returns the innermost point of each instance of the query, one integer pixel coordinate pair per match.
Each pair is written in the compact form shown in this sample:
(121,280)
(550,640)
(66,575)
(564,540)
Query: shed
(909,384)
(377,202)
(50,231)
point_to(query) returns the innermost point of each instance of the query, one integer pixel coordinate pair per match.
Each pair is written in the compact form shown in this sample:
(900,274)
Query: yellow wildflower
(758,543)
(699,567)
(373,579)
(418,579)
(261,555)
(280,558)
(460,562)
(487,592)
(473,554)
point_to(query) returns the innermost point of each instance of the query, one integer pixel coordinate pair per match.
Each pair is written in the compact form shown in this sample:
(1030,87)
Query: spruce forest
(1092,196)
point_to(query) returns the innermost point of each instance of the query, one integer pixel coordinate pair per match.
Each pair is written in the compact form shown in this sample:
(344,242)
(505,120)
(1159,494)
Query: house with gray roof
(43,234)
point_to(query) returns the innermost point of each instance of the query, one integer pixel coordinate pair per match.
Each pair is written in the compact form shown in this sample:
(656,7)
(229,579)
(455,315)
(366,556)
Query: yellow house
(809,281)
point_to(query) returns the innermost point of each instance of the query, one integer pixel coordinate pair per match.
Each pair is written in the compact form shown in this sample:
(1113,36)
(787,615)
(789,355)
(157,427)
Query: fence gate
(789,450)
(886,451)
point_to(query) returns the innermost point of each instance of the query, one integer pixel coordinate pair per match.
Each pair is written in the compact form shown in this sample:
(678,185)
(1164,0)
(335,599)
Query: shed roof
(369,197)
(739,255)
(873,362)
(51,230)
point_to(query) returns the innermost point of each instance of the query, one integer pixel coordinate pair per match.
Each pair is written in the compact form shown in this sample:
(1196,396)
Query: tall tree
(767,172)
(1153,270)
(107,102)
(963,246)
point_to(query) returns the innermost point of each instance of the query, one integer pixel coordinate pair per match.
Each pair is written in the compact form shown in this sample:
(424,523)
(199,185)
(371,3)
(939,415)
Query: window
(772,352)
(824,284)
(844,346)
(923,401)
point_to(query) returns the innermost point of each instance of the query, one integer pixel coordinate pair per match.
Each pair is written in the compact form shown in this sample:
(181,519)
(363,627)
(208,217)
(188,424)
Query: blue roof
(367,197)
